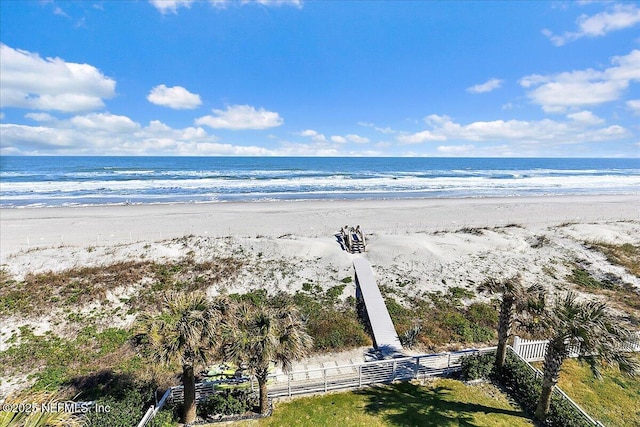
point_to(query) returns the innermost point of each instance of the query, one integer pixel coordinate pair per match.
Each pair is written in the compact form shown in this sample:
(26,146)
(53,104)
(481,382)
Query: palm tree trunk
(264,397)
(553,359)
(189,383)
(544,403)
(501,355)
(504,329)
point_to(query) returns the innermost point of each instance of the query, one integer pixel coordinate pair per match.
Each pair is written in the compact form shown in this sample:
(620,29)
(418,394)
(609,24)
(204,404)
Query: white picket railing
(533,351)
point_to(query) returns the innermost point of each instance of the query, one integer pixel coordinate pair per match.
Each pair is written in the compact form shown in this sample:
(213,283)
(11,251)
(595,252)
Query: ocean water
(74,181)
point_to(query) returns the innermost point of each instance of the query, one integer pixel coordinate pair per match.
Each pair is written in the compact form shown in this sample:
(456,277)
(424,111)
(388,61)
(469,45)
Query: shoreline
(84,226)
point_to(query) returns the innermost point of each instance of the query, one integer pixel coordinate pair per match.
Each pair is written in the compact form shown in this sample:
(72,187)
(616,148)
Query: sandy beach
(107,225)
(436,241)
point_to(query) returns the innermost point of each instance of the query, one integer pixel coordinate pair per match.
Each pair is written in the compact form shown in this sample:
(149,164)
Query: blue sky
(329,78)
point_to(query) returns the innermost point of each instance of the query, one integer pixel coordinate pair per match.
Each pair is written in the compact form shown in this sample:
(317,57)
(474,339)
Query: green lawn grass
(614,400)
(444,402)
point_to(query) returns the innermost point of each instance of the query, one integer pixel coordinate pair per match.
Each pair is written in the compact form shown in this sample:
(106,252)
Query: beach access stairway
(352,239)
(374,310)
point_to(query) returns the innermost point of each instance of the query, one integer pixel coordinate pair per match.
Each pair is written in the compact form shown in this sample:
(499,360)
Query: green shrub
(477,366)
(125,409)
(256,297)
(332,329)
(164,418)
(463,330)
(482,314)
(458,293)
(228,402)
(333,293)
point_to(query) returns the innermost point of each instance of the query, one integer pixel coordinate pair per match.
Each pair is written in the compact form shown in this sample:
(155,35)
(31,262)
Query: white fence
(533,351)
(153,410)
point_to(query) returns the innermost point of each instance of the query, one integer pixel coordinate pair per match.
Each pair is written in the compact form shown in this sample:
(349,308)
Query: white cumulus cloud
(40,117)
(586,117)
(172,6)
(385,130)
(581,127)
(315,135)
(357,139)
(339,139)
(488,86)
(557,92)
(109,134)
(634,104)
(104,122)
(166,6)
(175,97)
(456,149)
(29,81)
(618,17)
(420,137)
(239,117)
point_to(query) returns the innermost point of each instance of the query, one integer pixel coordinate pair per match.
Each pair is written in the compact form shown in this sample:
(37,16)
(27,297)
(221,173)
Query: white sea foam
(64,181)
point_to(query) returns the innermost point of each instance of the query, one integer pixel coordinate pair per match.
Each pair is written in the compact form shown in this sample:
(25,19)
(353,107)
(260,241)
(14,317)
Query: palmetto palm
(260,335)
(39,417)
(588,328)
(185,332)
(517,302)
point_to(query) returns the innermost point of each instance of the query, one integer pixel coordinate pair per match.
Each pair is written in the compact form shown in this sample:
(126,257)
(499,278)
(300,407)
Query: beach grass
(443,318)
(621,295)
(626,255)
(442,402)
(61,361)
(612,400)
(72,287)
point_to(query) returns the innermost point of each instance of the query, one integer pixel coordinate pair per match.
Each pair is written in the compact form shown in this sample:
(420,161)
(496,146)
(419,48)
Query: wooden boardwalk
(385,337)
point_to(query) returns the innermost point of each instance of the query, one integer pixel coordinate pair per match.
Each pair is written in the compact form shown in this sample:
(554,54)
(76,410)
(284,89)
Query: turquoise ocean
(79,181)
